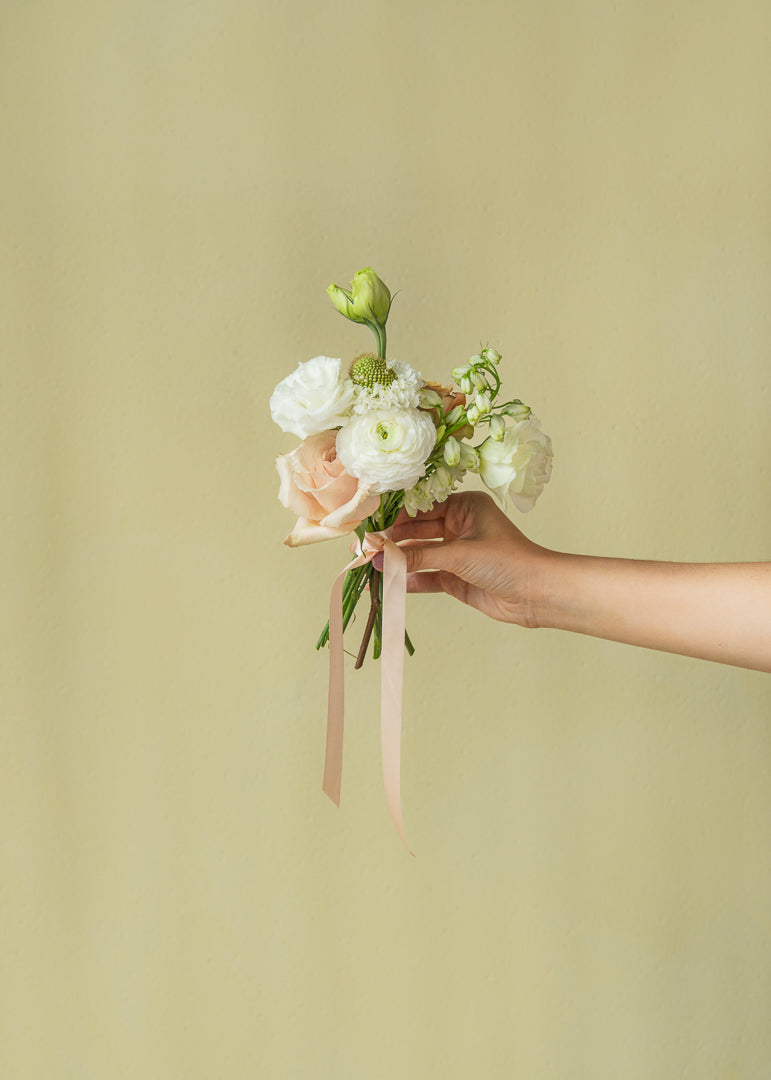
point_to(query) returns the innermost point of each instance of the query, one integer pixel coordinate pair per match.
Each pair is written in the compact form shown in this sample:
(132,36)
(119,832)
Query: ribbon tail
(333,751)
(394,600)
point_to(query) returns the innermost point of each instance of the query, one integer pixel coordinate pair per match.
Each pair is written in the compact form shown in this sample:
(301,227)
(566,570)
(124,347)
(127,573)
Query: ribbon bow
(394,601)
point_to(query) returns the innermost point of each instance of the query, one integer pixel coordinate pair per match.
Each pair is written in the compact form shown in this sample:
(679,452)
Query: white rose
(517,466)
(387,448)
(314,398)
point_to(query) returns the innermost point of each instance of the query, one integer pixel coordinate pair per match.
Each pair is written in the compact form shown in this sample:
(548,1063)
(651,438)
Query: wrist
(560,592)
(547,589)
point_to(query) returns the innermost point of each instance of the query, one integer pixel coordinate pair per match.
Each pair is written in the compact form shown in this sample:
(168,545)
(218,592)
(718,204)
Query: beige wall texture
(585,185)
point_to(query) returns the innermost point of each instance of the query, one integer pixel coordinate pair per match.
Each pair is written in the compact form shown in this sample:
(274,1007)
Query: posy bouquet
(377,438)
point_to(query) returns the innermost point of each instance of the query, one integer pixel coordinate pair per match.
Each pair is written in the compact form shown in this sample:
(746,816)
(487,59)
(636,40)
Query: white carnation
(314,398)
(519,465)
(387,449)
(402,393)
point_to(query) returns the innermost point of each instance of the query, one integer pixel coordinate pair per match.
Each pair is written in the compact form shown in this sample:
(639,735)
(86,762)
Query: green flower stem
(380,337)
(353,587)
(492,370)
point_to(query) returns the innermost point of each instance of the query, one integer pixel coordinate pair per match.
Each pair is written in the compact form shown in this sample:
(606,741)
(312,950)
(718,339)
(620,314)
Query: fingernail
(377,562)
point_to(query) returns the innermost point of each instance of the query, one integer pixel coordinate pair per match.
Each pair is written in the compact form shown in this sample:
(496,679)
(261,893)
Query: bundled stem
(356,581)
(372,619)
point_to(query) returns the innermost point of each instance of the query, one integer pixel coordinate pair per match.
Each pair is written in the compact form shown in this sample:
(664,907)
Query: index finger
(425,525)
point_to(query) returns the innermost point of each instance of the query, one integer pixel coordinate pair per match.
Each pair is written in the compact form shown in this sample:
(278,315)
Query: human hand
(482,558)
(468,548)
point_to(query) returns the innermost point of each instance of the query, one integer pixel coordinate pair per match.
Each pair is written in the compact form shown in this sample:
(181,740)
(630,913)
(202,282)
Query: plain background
(583,184)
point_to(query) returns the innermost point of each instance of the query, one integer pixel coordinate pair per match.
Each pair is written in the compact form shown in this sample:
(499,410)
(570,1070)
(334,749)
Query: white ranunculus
(519,465)
(387,448)
(314,398)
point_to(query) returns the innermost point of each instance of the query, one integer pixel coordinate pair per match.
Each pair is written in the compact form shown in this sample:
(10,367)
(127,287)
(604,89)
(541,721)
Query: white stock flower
(314,398)
(387,448)
(519,465)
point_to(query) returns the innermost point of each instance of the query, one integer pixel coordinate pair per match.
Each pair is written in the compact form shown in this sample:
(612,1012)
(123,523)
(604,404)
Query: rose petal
(309,532)
(289,494)
(361,506)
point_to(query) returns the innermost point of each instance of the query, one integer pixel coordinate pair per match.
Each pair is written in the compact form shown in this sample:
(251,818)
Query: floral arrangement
(377,440)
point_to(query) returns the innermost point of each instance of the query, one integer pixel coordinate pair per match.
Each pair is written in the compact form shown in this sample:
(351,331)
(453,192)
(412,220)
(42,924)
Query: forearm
(719,612)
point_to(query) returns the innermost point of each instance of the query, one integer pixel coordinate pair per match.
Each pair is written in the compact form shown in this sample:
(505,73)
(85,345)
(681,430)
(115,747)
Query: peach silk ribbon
(394,602)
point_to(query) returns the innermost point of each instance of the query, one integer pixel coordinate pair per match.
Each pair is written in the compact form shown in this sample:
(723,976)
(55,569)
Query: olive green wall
(585,185)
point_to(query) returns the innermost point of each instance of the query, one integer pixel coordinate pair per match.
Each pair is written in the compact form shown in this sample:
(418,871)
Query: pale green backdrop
(585,185)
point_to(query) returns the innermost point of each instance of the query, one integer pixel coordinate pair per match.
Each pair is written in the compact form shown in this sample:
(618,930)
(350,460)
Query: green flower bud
(343,301)
(451,451)
(371,298)
(498,428)
(491,355)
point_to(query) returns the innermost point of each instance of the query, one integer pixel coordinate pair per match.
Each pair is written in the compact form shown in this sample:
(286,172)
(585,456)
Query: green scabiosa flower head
(368,369)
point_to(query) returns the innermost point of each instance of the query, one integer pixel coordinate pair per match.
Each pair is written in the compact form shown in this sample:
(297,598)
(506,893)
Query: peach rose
(315,486)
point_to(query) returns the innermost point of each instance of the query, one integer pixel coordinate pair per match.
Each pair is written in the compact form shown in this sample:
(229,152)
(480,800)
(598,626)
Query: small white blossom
(451,451)
(497,428)
(466,385)
(517,411)
(479,381)
(483,403)
(442,483)
(469,458)
(491,355)
(417,498)
(429,399)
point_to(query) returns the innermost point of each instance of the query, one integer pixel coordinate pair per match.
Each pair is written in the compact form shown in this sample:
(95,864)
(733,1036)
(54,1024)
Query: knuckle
(414,559)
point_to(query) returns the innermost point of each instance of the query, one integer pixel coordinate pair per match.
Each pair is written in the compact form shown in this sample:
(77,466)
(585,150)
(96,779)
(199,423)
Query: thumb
(431,556)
